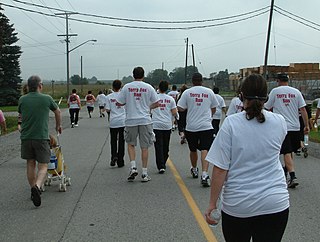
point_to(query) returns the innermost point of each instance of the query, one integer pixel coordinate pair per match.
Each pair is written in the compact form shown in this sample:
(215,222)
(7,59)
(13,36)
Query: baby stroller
(56,168)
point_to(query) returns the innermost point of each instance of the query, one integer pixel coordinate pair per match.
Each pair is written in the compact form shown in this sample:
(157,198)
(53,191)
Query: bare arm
(218,179)
(305,120)
(174,112)
(180,109)
(57,114)
(154,105)
(213,110)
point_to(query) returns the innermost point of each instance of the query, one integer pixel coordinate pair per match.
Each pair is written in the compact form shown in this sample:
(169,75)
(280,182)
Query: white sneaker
(133,173)
(76,125)
(145,178)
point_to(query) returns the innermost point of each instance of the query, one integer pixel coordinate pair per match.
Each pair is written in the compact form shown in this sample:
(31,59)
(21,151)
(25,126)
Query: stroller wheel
(68,181)
(305,155)
(62,188)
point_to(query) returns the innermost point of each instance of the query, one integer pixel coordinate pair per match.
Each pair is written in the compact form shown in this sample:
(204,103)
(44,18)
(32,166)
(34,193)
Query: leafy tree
(221,80)
(127,79)
(93,79)
(10,81)
(154,77)
(76,80)
(177,76)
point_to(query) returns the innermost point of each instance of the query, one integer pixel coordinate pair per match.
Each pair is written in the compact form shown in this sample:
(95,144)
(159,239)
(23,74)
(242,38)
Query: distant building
(304,76)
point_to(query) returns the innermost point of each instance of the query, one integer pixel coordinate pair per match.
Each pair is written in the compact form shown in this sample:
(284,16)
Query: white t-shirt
(162,116)
(249,150)
(221,104)
(73,101)
(198,100)
(138,96)
(286,101)
(236,106)
(117,112)
(101,100)
(173,94)
(89,100)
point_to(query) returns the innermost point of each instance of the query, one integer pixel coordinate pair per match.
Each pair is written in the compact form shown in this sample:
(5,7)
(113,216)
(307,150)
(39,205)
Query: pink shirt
(2,118)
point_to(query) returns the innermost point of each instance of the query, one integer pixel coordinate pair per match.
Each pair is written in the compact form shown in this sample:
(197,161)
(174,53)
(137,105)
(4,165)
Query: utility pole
(81,74)
(265,71)
(162,66)
(185,69)
(194,64)
(67,35)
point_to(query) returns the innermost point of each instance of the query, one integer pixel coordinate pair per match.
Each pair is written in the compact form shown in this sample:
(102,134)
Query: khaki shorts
(38,150)
(145,133)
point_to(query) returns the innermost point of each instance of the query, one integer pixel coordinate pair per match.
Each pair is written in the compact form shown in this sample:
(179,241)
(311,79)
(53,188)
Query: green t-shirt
(34,108)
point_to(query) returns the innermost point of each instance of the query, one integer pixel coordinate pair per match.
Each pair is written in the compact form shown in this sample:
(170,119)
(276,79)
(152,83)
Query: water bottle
(315,125)
(306,139)
(215,215)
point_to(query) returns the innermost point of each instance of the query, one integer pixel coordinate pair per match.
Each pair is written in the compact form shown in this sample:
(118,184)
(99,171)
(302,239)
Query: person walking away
(101,99)
(216,117)
(287,101)
(3,124)
(315,122)
(236,105)
(302,145)
(182,121)
(74,105)
(174,93)
(200,103)
(117,124)
(33,109)
(245,158)
(162,122)
(90,99)
(138,98)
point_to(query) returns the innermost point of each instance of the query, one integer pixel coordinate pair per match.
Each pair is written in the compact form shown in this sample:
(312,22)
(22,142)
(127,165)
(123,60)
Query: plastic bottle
(306,139)
(315,126)
(215,215)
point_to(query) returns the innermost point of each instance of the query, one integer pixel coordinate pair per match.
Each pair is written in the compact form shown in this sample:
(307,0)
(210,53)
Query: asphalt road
(101,205)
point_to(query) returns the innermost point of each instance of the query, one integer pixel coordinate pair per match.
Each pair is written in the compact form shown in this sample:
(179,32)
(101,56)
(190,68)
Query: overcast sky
(118,50)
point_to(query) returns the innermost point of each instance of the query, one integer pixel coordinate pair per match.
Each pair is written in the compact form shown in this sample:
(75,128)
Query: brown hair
(254,91)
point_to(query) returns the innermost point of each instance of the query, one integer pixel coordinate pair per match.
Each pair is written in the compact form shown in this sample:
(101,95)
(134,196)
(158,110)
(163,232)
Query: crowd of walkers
(249,185)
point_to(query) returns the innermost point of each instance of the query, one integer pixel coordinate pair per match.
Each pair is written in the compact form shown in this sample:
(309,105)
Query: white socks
(133,164)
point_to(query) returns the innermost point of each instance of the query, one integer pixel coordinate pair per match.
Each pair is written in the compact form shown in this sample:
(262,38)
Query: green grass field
(12,124)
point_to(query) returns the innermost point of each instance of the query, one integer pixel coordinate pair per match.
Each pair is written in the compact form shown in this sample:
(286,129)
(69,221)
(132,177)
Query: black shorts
(90,109)
(200,140)
(291,143)
(101,107)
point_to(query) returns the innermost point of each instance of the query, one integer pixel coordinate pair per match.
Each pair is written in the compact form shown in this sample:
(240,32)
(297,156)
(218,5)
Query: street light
(68,64)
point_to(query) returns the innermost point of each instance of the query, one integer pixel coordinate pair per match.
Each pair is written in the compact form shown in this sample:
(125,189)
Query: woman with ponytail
(247,173)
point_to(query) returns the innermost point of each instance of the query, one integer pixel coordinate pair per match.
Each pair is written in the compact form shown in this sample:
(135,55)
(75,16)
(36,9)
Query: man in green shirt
(33,111)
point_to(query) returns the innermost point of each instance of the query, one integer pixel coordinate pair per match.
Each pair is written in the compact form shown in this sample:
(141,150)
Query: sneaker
(76,125)
(205,181)
(113,162)
(35,196)
(161,171)
(145,178)
(133,173)
(292,183)
(194,172)
(72,125)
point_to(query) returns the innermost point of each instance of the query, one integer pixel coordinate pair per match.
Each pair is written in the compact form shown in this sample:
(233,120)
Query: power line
(143,27)
(50,11)
(309,21)
(49,20)
(71,5)
(33,20)
(147,21)
(297,20)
